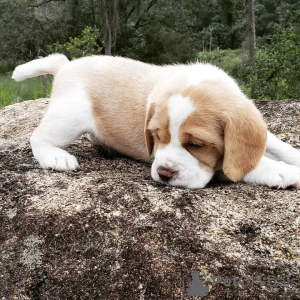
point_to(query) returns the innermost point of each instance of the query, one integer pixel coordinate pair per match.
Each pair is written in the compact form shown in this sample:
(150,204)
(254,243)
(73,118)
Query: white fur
(279,167)
(280,151)
(174,156)
(68,117)
(274,174)
(48,65)
(200,72)
(179,108)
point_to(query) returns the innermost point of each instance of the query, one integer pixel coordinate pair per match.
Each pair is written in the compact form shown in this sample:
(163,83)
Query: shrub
(274,74)
(76,47)
(276,67)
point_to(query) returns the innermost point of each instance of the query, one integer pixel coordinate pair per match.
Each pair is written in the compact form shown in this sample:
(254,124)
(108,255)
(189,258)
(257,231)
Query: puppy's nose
(165,174)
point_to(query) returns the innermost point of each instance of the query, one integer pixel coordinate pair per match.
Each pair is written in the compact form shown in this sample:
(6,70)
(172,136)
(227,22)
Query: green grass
(13,92)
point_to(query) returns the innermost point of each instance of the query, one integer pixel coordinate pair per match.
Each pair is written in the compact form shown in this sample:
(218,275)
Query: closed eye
(192,145)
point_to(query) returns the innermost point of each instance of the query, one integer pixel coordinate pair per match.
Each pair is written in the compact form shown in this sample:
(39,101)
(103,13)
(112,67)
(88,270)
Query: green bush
(276,68)
(6,66)
(228,60)
(77,47)
(274,74)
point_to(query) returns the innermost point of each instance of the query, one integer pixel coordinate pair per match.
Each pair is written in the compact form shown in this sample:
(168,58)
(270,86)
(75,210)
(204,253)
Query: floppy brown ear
(245,135)
(148,136)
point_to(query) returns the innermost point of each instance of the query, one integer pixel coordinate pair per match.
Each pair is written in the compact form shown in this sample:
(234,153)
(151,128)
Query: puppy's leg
(68,117)
(280,151)
(273,173)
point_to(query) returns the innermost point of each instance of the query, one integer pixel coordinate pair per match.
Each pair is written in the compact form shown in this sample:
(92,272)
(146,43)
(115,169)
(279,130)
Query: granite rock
(108,231)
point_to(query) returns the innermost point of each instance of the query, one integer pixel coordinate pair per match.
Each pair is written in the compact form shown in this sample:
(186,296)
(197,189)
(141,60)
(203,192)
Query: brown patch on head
(224,123)
(157,126)
(148,135)
(202,133)
(157,117)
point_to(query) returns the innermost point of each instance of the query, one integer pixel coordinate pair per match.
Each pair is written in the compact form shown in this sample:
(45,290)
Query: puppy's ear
(148,136)
(245,135)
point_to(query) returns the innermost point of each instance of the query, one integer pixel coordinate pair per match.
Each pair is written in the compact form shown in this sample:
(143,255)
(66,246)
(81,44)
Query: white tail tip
(20,73)
(42,66)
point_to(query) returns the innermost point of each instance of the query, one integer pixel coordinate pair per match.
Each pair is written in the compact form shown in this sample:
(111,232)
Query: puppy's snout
(165,174)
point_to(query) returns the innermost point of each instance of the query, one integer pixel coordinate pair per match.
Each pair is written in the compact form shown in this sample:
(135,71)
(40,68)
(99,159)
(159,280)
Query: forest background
(264,59)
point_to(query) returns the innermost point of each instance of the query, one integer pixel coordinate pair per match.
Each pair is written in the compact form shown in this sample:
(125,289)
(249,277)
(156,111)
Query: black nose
(165,174)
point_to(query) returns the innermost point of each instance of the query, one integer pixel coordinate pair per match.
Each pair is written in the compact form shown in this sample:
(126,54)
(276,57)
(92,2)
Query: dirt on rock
(108,231)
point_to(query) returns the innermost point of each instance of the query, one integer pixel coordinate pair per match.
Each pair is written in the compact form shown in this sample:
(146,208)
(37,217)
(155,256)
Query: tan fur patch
(203,127)
(222,113)
(119,104)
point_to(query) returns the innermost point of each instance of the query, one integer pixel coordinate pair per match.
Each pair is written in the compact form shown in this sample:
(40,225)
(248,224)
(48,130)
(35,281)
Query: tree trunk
(250,21)
(111,24)
(251,41)
(108,35)
(211,28)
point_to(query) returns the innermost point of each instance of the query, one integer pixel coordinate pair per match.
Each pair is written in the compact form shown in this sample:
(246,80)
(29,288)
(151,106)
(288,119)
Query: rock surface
(108,231)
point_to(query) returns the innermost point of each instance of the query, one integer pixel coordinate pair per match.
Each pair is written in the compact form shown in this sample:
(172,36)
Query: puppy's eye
(192,145)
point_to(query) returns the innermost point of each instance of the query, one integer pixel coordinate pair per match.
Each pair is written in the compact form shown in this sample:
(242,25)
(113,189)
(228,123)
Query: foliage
(276,67)
(271,13)
(274,72)
(160,32)
(76,47)
(157,31)
(6,66)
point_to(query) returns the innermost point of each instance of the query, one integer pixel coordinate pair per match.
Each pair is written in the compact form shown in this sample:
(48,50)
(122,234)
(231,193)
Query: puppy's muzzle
(165,174)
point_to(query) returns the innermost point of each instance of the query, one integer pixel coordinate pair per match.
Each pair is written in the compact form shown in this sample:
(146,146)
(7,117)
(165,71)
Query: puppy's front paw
(56,159)
(283,176)
(275,174)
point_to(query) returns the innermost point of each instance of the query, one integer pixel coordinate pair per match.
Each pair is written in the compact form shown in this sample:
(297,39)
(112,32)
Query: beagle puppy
(190,121)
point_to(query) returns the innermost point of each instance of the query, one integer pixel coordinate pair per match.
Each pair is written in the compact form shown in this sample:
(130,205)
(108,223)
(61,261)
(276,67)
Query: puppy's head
(203,129)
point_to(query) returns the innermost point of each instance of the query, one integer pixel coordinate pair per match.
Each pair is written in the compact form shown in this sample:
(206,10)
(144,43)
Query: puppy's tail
(42,66)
